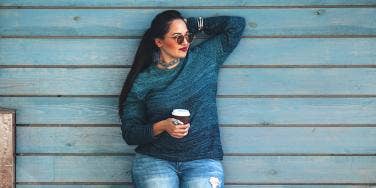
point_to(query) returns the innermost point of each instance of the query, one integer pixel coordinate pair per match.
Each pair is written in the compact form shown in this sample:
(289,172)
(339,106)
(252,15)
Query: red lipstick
(184,49)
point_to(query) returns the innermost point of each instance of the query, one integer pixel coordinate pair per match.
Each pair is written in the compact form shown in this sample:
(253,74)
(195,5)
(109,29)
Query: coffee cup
(181,115)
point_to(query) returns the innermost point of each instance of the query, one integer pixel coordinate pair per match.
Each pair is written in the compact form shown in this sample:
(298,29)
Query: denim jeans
(151,172)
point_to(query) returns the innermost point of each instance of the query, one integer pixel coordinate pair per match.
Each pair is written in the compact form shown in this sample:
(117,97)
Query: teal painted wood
(264,111)
(232,81)
(67,51)
(299,81)
(127,22)
(297,111)
(235,140)
(71,140)
(63,169)
(59,110)
(299,169)
(76,186)
(105,142)
(240,169)
(298,186)
(62,81)
(177,3)
(250,51)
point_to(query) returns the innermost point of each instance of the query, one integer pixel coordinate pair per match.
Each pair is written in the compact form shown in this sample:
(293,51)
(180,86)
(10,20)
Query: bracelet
(200,23)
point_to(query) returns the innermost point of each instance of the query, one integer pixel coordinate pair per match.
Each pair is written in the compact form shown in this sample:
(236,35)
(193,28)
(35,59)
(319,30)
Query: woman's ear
(158,42)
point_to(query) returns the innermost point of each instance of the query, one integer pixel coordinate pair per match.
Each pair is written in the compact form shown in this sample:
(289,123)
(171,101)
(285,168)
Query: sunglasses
(180,38)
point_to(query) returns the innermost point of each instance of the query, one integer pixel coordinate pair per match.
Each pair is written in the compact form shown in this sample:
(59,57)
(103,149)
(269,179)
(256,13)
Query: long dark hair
(144,55)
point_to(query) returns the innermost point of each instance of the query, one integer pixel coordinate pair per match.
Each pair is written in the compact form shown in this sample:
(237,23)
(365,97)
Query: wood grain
(127,22)
(231,111)
(250,52)
(231,81)
(235,140)
(240,169)
(177,3)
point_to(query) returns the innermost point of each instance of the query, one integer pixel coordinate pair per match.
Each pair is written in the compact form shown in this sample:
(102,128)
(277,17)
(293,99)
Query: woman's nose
(185,41)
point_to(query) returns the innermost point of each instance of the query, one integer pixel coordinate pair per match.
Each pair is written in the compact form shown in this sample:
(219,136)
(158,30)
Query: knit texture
(191,85)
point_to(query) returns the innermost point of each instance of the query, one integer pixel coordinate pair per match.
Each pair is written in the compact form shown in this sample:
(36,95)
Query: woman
(168,74)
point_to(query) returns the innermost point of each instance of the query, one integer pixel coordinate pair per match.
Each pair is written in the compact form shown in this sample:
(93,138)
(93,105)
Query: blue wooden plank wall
(296,99)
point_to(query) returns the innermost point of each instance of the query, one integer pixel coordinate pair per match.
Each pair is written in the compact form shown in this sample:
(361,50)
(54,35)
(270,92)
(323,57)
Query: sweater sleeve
(224,35)
(134,126)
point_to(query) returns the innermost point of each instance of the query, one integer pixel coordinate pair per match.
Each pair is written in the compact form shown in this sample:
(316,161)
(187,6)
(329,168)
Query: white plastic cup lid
(180,112)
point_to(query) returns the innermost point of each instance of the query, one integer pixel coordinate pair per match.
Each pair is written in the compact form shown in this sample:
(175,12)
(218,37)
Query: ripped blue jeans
(151,172)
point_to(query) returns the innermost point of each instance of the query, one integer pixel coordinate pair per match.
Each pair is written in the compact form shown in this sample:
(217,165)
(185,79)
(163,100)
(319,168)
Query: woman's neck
(167,62)
(166,59)
(169,65)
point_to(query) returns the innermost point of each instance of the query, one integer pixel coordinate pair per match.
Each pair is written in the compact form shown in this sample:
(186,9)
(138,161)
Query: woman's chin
(182,55)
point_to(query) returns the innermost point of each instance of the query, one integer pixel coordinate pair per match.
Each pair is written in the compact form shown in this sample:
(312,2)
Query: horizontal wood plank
(177,3)
(263,111)
(239,169)
(250,51)
(235,140)
(232,81)
(73,185)
(127,22)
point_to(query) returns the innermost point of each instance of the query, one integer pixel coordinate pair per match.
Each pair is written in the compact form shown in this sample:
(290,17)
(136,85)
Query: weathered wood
(232,81)
(232,111)
(239,169)
(250,51)
(178,3)
(95,33)
(128,22)
(235,140)
(73,185)
(7,148)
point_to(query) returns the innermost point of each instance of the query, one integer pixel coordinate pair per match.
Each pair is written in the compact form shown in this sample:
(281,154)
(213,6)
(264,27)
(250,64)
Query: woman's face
(169,47)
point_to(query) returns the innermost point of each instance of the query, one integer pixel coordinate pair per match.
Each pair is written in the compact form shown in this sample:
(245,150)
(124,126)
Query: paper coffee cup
(181,115)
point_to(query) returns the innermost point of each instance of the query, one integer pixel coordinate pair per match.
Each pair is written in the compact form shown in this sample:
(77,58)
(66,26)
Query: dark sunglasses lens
(180,39)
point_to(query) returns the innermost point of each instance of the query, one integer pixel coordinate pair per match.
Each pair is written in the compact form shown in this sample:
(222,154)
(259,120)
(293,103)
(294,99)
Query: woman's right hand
(176,131)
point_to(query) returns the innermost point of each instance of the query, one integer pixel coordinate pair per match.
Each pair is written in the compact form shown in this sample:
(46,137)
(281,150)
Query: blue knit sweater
(191,85)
